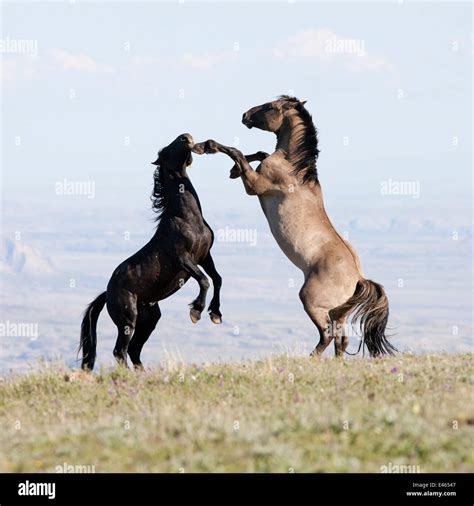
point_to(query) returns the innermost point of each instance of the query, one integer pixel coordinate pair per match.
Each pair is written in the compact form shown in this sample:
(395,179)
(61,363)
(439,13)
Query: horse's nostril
(246,120)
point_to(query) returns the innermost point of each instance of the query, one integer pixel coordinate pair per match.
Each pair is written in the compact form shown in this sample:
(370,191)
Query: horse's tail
(369,308)
(88,342)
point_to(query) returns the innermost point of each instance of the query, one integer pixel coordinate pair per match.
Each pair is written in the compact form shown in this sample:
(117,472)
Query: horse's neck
(289,136)
(182,188)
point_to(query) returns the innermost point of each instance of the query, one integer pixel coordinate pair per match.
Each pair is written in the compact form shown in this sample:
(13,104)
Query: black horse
(182,241)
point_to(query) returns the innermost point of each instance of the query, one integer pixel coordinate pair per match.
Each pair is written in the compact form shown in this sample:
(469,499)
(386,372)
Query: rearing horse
(286,183)
(182,242)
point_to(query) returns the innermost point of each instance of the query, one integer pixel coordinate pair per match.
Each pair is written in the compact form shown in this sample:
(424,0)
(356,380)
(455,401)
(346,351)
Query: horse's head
(177,155)
(270,116)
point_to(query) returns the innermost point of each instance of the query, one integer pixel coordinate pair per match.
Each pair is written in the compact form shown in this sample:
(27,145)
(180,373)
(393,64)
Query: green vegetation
(281,414)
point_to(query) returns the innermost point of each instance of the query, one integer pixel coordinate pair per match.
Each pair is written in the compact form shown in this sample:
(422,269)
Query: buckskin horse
(286,183)
(181,243)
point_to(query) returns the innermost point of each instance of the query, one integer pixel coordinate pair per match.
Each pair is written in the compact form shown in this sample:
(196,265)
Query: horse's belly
(172,286)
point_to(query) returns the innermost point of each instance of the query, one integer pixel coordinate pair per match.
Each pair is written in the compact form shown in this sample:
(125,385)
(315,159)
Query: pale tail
(88,343)
(369,309)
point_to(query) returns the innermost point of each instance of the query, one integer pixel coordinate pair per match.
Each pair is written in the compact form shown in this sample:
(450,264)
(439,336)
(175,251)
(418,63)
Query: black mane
(307,152)
(159,196)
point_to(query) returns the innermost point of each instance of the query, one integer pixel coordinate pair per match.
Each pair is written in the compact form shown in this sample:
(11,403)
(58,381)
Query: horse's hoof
(195,315)
(198,148)
(210,147)
(215,318)
(234,173)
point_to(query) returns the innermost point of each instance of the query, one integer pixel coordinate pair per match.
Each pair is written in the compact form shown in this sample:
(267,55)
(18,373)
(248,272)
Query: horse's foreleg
(198,304)
(259,156)
(208,265)
(255,183)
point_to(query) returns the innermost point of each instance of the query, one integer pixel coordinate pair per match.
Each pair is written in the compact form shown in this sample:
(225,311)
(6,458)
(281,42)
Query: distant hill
(20,259)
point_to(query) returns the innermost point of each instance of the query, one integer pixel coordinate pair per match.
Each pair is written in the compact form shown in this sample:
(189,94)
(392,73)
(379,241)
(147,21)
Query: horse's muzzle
(247,121)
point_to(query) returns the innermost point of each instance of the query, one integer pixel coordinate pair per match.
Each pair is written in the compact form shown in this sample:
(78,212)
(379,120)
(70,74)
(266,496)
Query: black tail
(369,308)
(88,343)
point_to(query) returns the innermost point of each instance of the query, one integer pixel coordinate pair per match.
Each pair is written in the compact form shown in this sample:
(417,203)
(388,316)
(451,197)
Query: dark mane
(159,196)
(307,152)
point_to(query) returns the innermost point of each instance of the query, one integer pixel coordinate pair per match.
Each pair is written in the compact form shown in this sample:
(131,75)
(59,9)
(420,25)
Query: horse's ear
(302,102)
(156,162)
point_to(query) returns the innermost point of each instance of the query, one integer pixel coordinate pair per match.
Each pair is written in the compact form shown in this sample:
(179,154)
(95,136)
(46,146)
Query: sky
(92,90)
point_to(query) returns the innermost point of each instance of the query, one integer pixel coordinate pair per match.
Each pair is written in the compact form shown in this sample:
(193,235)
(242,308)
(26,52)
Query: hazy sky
(389,87)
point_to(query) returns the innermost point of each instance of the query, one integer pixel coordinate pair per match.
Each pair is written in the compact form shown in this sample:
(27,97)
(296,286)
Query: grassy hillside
(282,414)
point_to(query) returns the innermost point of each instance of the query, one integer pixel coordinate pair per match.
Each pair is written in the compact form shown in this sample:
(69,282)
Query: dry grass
(281,414)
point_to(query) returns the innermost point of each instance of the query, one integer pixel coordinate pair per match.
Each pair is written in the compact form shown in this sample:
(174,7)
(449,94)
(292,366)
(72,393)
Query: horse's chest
(201,241)
(278,212)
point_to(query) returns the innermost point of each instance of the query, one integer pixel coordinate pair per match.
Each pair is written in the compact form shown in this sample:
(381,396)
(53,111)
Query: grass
(281,414)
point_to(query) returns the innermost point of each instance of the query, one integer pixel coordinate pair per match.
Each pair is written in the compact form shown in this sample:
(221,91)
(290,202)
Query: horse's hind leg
(199,303)
(338,316)
(320,317)
(123,312)
(341,341)
(147,319)
(208,265)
